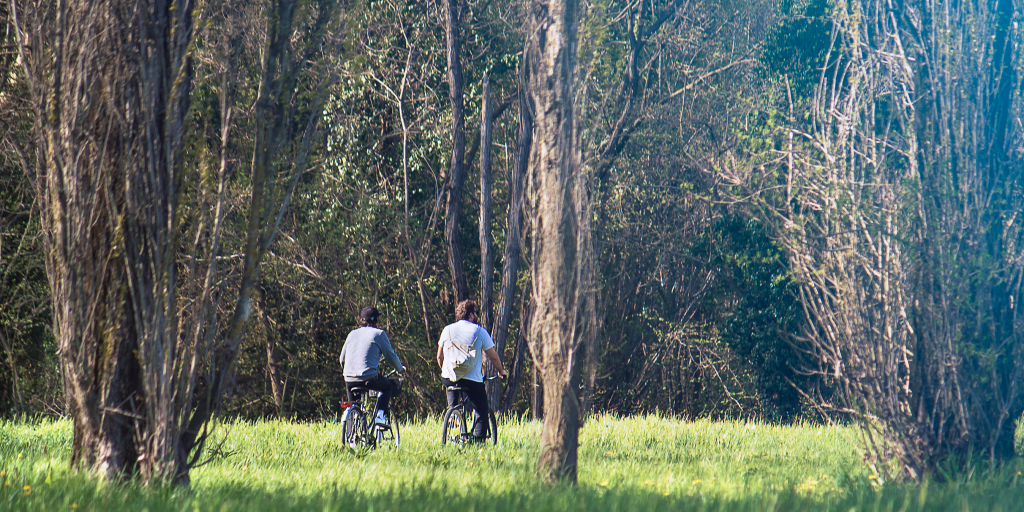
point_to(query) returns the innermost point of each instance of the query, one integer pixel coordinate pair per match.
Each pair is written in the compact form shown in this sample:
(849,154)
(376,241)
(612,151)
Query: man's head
(368,317)
(466,310)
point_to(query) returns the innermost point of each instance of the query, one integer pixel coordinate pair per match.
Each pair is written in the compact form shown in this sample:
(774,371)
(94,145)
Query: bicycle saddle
(359,390)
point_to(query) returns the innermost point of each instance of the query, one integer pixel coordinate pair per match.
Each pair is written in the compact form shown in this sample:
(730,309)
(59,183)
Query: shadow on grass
(84,493)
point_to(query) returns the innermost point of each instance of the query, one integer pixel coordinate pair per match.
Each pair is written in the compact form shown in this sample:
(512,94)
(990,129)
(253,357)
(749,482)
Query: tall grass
(641,463)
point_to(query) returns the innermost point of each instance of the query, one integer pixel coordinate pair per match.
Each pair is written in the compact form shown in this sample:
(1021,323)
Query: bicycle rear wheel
(453,426)
(354,428)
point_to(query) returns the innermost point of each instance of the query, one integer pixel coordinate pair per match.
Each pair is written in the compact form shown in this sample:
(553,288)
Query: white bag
(459,358)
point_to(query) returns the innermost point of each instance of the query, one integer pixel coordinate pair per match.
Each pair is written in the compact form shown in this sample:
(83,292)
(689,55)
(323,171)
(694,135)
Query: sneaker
(382,420)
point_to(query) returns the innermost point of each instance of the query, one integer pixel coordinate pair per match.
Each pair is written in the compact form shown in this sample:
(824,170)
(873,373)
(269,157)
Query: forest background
(800,209)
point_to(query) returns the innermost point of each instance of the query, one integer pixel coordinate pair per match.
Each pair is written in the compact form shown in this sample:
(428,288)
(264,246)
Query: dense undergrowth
(639,463)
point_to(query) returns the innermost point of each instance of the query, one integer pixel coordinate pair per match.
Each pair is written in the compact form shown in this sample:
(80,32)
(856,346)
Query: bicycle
(453,426)
(359,429)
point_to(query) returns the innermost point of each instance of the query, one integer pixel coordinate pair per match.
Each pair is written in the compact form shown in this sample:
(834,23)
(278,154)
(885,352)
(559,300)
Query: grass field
(641,463)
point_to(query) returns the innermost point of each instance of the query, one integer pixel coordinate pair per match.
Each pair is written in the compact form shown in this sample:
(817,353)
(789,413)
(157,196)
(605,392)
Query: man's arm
(389,353)
(440,356)
(492,356)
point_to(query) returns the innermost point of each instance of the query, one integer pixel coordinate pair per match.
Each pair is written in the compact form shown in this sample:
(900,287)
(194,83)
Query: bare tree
(968,142)
(486,256)
(286,117)
(145,370)
(894,206)
(110,109)
(20,258)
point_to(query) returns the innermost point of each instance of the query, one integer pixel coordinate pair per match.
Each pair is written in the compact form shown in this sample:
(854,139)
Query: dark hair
(368,316)
(464,309)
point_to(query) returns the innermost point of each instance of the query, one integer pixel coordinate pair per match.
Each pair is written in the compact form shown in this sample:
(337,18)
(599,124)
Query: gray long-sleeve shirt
(360,356)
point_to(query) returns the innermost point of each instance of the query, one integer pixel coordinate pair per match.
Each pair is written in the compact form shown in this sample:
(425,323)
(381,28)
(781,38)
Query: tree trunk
(15,383)
(518,358)
(453,17)
(110,85)
(273,361)
(551,57)
(510,261)
(486,258)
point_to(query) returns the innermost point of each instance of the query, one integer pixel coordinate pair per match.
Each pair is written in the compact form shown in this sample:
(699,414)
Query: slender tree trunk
(551,56)
(588,318)
(510,261)
(279,152)
(486,257)
(273,361)
(518,358)
(405,182)
(456,175)
(15,382)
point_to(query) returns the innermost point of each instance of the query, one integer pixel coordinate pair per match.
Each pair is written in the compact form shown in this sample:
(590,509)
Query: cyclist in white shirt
(467,332)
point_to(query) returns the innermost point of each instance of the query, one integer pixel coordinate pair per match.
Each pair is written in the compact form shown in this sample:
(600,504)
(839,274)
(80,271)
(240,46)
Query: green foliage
(346,240)
(640,463)
(797,46)
(763,311)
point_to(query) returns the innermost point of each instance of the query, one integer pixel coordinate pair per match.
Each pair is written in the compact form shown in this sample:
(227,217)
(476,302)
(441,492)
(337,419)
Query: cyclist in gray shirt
(360,358)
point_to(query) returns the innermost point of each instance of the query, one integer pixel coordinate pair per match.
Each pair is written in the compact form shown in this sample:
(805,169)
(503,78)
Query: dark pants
(378,383)
(477,393)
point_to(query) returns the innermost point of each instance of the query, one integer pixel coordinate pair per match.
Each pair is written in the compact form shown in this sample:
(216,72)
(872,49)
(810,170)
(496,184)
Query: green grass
(641,463)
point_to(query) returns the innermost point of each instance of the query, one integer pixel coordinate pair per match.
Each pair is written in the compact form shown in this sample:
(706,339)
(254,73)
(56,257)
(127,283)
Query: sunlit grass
(641,463)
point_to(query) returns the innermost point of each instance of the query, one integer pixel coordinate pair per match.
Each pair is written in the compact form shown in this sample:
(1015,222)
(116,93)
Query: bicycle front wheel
(453,426)
(389,434)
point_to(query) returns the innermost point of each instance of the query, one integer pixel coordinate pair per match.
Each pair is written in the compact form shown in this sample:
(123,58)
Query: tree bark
(551,57)
(456,173)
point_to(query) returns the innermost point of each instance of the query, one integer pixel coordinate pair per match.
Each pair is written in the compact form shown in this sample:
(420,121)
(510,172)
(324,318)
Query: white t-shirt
(464,331)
